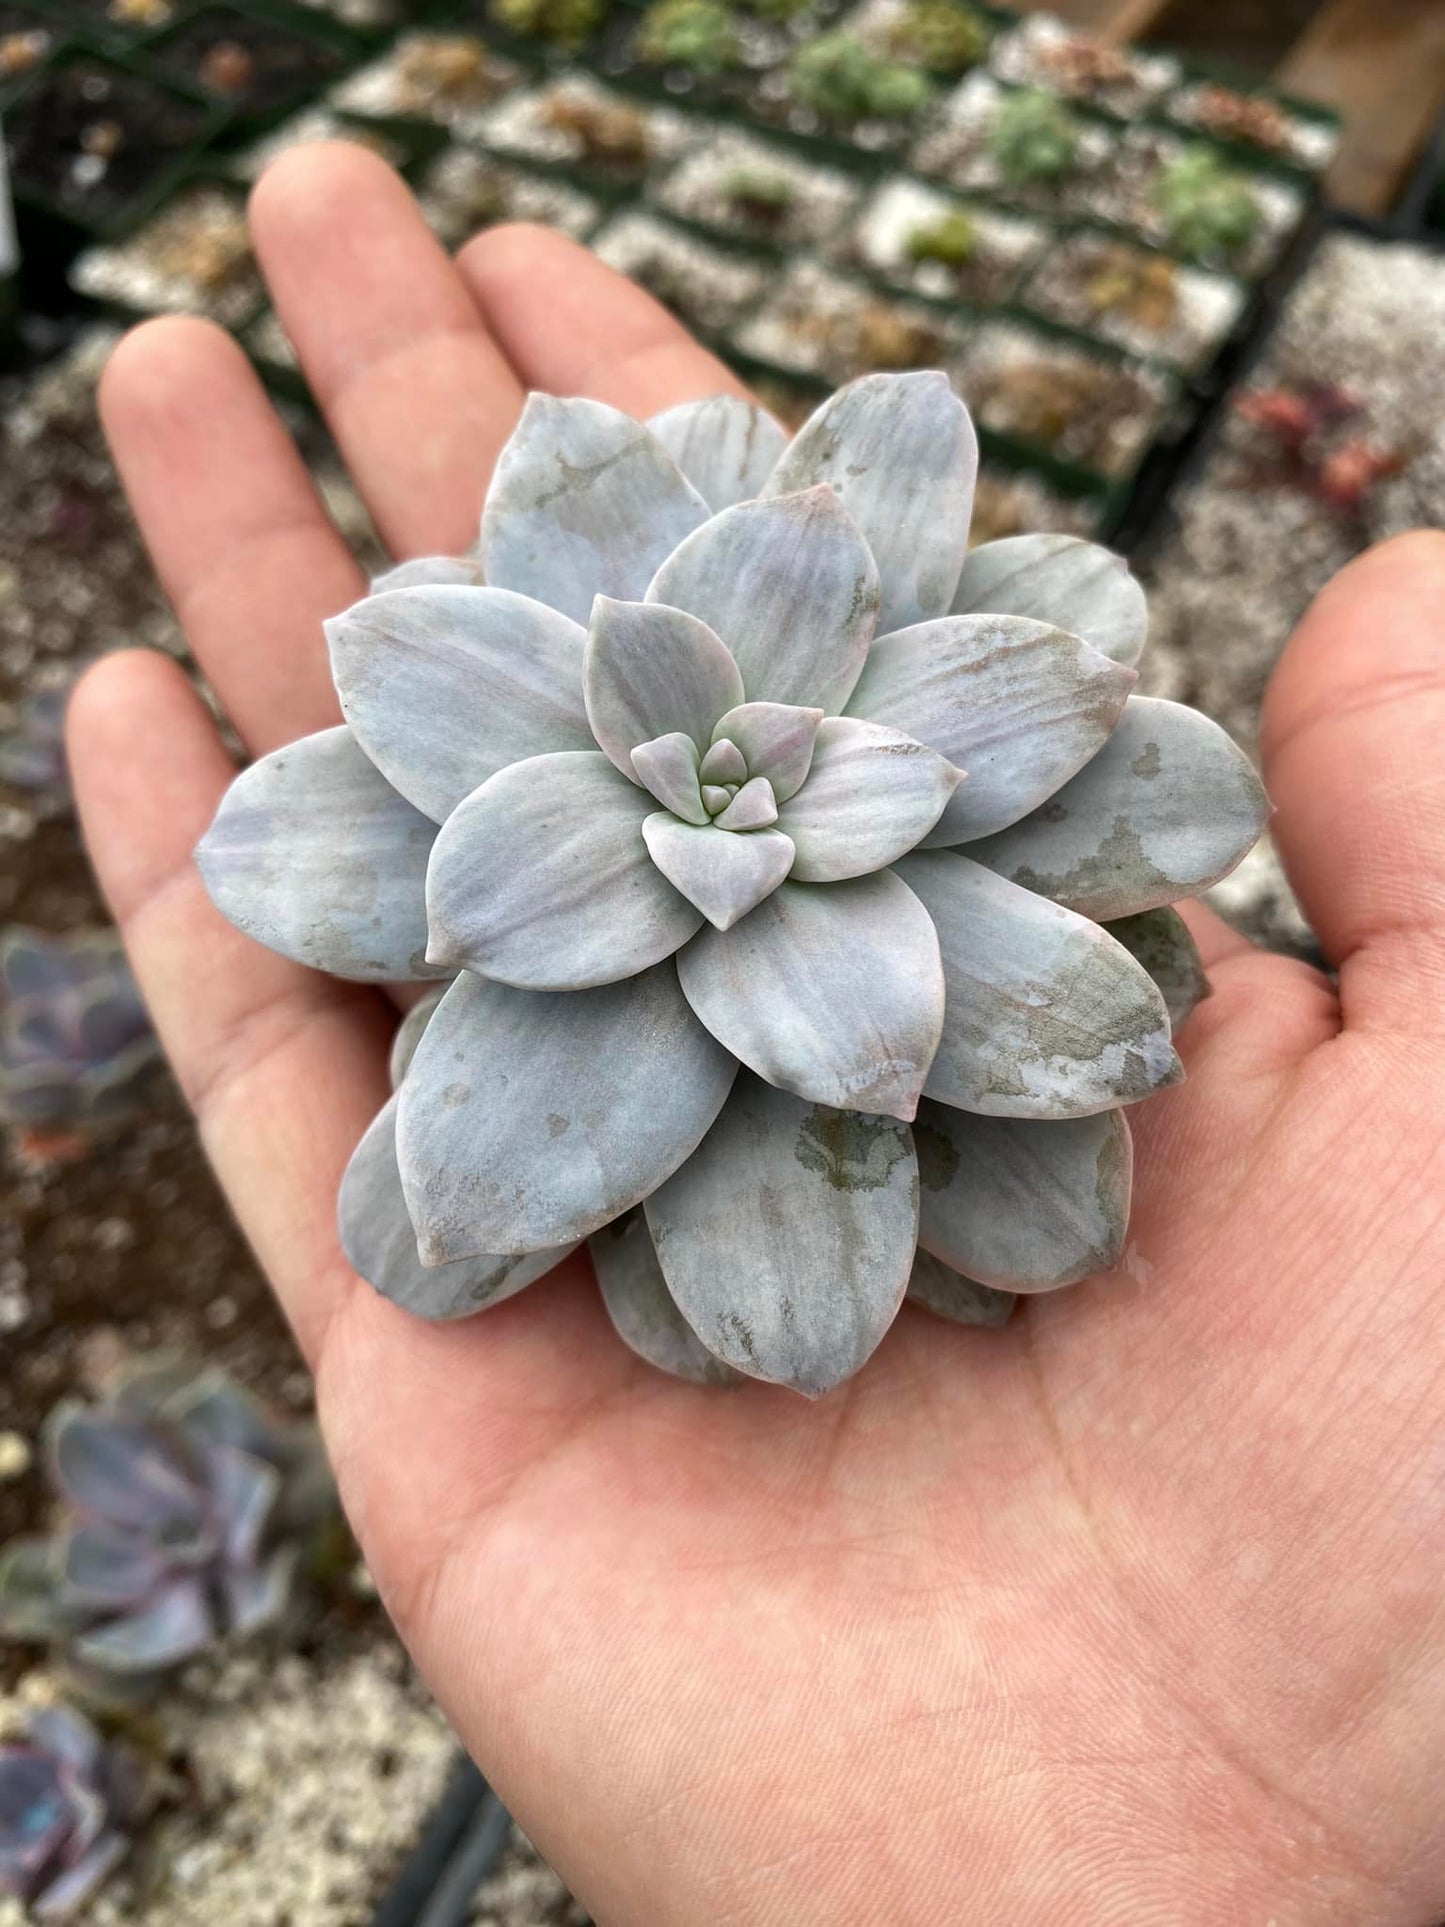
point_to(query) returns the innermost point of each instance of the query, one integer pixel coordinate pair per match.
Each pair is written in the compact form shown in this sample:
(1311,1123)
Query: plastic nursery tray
(260,60)
(65,191)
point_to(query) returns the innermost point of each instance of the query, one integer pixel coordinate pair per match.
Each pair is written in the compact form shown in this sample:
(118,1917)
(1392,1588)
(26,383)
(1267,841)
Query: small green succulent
(565,23)
(760,192)
(951,239)
(842,80)
(697,34)
(946,35)
(1209,209)
(1035,137)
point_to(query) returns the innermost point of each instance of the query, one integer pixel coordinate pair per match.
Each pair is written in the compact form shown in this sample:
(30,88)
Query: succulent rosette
(68,1805)
(771,840)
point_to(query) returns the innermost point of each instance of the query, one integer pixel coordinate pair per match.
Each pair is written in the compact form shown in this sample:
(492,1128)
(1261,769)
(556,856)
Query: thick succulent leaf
(256,1596)
(66,1736)
(60,1897)
(246,1491)
(651,671)
(529,1120)
(1161,941)
(408,1034)
(445,686)
(584,502)
(724,762)
(791,588)
(1046,1016)
(716,797)
(668,767)
(1062,580)
(379,1240)
(774,740)
(314,854)
(1020,1204)
(835,993)
(643,1310)
(787,1238)
(127,1470)
(901,452)
(872,794)
(541,879)
(108,1566)
(1018,705)
(430,571)
(960,1300)
(724,875)
(32,1601)
(753,808)
(725,446)
(1168,807)
(174,1627)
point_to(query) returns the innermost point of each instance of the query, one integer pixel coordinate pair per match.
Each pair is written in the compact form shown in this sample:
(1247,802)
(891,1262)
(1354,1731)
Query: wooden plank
(1112,20)
(1380,63)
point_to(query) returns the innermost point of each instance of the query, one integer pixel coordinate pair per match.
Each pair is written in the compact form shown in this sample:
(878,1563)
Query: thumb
(1353,740)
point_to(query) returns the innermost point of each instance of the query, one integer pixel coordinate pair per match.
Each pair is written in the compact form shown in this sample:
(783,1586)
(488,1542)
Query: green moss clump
(562,23)
(946,35)
(952,239)
(842,81)
(696,34)
(1210,211)
(1035,137)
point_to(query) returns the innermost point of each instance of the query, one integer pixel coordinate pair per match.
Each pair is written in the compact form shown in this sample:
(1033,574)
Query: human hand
(1129,1613)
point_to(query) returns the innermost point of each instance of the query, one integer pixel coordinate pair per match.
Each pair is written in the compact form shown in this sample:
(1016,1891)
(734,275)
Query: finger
(284,1067)
(239,536)
(1354,724)
(417,394)
(1217,941)
(573,326)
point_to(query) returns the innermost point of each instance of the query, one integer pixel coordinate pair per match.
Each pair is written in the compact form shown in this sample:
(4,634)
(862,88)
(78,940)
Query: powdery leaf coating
(788,1238)
(1020,705)
(584,501)
(1046,1015)
(643,1310)
(529,1119)
(724,762)
(725,446)
(872,795)
(792,589)
(445,686)
(668,766)
(753,808)
(428,571)
(379,1240)
(175,1627)
(1062,580)
(1023,1205)
(1168,806)
(651,671)
(409,1034)
(775,740)
(542,879)
(833,993)
(1160,940)
(724,875)
(958,1299)
(902,455)
(314,854)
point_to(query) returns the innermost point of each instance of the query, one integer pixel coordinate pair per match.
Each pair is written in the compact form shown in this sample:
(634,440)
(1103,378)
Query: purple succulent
(76,1047)
(187,1509)
(67,1804)
(32,755)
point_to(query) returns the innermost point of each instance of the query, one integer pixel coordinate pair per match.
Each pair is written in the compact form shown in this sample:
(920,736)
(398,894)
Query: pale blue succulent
(68,1804)
(186,1510)
(771,836)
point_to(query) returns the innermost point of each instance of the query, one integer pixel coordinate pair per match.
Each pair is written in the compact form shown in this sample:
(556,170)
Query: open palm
(1133,1612)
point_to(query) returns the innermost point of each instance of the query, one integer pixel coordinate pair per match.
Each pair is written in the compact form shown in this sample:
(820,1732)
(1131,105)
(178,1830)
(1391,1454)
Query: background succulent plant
(32,753)
(1209,209)
(1035,137)
(737,940)
(68,1802)
(186,1509)
(76,1048)
(843,80)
